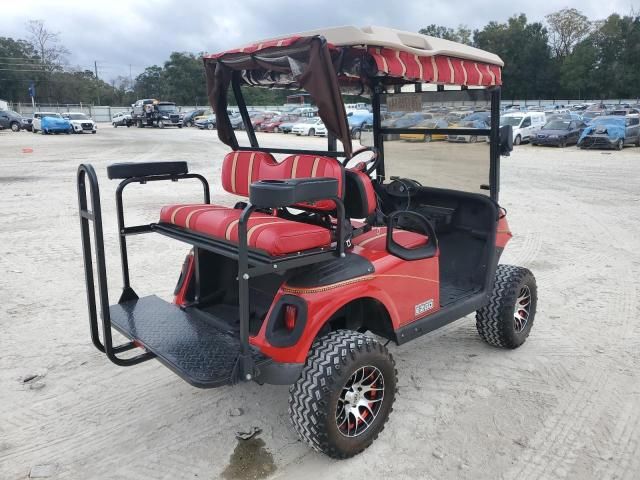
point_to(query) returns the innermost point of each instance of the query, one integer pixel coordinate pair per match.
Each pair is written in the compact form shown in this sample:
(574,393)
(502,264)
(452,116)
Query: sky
(124,34)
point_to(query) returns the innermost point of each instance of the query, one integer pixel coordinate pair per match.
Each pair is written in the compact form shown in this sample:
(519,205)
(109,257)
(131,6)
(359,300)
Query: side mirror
(506,140)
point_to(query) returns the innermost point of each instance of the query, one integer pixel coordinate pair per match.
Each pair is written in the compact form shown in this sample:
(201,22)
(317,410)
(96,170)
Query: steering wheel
(366,166)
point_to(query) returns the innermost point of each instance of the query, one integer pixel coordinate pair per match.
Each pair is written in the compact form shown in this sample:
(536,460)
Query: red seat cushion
(376,239)
(276,236)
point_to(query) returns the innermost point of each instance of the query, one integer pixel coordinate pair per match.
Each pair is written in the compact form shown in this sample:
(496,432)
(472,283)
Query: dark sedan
(559,133)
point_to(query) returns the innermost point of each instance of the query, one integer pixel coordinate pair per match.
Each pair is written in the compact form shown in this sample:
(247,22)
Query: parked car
(611,132)
(189,119)
(423,137)
(121,119)
(559,133)
(524,125)
(208,123)
(321,130)
(479,120)
(361,119)
(407,120)
(274,125)
(11,120)
(37,120)
(236,121)
(55,124)
(80,122)
(624,112)
(286,127)
(307,127)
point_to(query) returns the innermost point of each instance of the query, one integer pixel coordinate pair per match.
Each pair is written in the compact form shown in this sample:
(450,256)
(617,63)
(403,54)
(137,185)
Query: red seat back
(240,169)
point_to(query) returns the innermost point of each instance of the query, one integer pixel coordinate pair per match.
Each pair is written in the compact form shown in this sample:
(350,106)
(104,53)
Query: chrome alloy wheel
(522,309)
(360,401)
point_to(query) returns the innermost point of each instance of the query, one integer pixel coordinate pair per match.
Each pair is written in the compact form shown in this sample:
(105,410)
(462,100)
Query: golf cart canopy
(325,61)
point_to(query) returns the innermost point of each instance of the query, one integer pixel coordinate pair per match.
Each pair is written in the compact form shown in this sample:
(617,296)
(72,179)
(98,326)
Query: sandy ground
(565,405)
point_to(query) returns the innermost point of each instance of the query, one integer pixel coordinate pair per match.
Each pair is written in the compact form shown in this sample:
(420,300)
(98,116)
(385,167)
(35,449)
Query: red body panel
(503,234)
(397,284)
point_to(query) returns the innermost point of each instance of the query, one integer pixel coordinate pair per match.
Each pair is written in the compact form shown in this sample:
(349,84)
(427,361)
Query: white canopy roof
(411,42)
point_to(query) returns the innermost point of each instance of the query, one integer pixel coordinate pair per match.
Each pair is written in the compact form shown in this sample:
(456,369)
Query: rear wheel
(15,127)
(344,395)
(620,144)
(189,123)
(508,317)
(427,138)
(473,139)
(276,130)
(115,125)
(210,126)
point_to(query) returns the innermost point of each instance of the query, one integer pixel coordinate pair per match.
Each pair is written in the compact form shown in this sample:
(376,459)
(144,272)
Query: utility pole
(95,65)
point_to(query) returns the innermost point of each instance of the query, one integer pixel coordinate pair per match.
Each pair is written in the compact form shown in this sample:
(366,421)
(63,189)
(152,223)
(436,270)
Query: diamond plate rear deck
(193,344)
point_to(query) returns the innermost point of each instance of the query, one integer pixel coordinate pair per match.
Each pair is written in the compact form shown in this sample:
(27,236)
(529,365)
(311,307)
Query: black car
(11,120)
(559,133)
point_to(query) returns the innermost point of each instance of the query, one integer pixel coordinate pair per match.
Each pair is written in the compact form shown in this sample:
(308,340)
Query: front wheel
(620,144)
(15,127)
(160,124)
(210,126)
(345,393)
(312,132)
(507,319)
(517,140)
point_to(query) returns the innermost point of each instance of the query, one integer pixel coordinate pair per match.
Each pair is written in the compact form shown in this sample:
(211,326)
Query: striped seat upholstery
(240,169)
(274,235)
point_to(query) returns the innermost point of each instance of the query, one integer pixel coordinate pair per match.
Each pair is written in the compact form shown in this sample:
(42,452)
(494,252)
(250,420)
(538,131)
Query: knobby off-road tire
(344,370)
(508,317)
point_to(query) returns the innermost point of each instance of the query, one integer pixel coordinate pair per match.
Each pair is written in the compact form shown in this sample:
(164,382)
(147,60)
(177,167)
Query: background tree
(461,35)
(49,50)
(567,27)
(524,48)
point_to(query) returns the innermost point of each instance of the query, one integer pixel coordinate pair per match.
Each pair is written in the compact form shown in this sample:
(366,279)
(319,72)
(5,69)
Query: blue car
(55,125)
(360,119)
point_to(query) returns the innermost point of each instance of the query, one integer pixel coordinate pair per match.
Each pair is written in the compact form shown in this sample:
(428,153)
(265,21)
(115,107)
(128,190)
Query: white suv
(80,122)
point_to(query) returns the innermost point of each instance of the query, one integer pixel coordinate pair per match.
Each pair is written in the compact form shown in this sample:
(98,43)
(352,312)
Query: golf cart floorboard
(188,341)
(450,293)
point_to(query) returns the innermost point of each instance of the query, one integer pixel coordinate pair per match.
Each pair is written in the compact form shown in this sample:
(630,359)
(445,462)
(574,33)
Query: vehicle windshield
(513,121)
(442,160)
(55,115)
(77,116)
(167,108)
(557,125)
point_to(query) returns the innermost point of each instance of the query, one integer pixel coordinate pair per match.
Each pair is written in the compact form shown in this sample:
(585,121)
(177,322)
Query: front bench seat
(276,236)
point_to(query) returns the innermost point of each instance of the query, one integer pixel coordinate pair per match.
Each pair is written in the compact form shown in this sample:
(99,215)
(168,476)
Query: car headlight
(164,117)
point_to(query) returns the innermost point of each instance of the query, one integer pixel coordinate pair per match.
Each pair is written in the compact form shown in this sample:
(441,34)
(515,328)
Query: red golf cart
(329,253)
